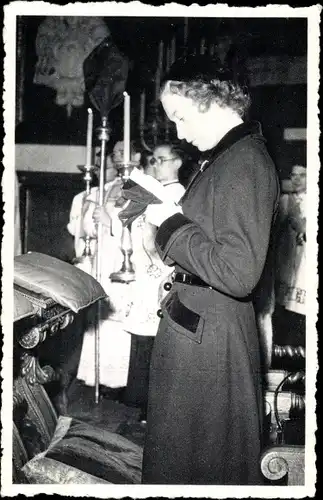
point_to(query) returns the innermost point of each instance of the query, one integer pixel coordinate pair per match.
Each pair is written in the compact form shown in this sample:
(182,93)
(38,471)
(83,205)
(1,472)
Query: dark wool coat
(205,397)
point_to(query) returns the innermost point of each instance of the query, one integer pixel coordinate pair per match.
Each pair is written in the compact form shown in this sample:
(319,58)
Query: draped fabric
(138,200)
(80,453)
(105,75)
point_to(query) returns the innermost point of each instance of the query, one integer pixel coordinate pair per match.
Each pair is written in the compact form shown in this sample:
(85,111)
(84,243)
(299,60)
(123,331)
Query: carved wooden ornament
(62,45)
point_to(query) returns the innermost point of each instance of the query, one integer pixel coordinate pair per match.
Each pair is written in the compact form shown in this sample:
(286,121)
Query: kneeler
(49,448)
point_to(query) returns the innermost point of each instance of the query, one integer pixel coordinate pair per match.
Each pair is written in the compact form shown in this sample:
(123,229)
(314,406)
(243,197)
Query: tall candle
(160,56)
(185,30)
(126,128)
(168,58)
(168,65)
(142,109)
(89,134)
(159,70)
(173,50)
(166,128)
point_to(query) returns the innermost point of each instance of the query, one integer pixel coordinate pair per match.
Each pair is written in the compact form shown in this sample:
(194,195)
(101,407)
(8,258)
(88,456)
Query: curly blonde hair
(206,80)
(224,93)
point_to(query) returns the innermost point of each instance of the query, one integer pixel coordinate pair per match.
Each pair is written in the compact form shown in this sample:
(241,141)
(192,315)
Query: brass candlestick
(126,274)
(87,258)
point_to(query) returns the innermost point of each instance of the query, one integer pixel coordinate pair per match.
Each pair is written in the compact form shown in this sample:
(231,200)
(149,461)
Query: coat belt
(190,279)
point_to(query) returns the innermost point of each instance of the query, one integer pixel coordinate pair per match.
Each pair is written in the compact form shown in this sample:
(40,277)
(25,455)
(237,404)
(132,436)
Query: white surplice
(114,341)
(133,307)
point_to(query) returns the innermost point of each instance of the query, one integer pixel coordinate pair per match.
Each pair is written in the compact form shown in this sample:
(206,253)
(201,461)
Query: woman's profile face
(196,127)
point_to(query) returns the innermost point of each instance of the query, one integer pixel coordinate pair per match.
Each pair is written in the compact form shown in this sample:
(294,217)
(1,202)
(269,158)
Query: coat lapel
(233,136)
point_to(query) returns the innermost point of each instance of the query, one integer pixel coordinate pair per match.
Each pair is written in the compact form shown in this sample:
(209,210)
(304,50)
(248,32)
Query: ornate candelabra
(126,274)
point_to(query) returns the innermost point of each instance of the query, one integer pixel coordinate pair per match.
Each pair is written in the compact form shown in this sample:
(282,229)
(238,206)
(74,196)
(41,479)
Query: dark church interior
(55,301)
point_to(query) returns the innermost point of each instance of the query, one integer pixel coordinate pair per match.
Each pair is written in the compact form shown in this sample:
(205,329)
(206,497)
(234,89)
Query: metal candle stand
(104,137)
(126,274)
(87,257)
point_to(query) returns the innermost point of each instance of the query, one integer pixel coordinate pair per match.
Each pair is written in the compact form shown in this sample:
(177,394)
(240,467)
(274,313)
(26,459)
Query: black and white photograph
(160,280)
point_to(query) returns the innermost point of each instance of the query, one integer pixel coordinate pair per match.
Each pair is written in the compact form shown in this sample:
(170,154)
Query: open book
(141,190)
(151,185)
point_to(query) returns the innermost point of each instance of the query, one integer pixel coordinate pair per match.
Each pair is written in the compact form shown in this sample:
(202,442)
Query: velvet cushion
(90,450)
(65,284)
(22,306)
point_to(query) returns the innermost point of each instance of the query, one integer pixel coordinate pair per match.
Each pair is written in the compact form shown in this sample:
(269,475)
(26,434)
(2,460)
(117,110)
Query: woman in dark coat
(205,398)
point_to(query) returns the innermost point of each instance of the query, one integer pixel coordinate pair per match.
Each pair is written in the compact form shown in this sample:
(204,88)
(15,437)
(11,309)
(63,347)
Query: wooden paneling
(45,205)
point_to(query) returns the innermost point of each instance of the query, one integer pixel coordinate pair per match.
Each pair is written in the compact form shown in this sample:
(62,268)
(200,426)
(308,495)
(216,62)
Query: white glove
(157,213)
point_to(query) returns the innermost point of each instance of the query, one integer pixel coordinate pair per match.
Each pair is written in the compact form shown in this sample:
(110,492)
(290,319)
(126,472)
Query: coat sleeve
(231,257)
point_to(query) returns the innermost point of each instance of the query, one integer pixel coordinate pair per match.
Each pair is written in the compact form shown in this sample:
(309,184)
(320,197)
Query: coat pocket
(182,319)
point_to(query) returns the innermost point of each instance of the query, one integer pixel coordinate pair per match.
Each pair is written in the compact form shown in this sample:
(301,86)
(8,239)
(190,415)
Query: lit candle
(89,134)
(126,128)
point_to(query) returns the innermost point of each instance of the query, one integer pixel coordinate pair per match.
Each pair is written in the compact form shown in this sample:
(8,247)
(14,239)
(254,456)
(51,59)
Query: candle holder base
(123,276)
(124,168)
(86,170)
(85,261)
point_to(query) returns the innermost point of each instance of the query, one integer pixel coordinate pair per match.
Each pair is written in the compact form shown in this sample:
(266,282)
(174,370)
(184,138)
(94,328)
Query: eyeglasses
(160,160)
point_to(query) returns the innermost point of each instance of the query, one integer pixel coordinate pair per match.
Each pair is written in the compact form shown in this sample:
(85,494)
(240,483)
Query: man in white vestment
(290,286)
(114,341)
(282,320)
